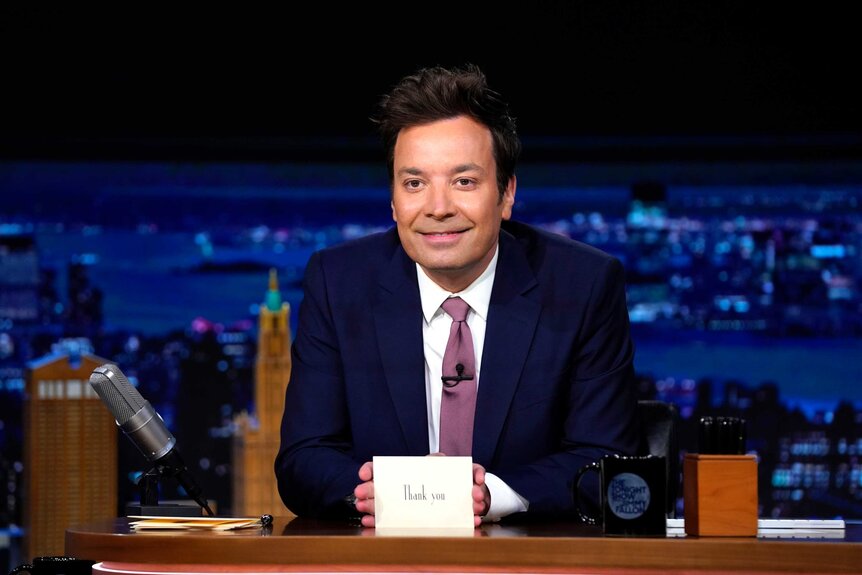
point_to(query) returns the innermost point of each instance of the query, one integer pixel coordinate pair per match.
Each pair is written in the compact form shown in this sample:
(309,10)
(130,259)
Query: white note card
(426,492)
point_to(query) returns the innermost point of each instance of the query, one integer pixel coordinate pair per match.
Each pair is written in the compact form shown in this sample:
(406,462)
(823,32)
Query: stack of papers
(140,523)
(801,528)
(780,528)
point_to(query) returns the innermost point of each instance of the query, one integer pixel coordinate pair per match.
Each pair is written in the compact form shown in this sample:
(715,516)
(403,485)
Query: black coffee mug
(55,565)
(633,495)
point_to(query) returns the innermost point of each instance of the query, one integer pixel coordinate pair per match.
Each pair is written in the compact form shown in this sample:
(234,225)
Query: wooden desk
(301,545)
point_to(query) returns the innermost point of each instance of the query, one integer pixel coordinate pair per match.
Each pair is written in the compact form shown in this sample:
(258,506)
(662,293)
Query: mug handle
(588,519)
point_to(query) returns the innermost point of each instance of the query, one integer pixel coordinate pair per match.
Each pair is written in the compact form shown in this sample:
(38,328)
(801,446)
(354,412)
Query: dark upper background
(299,81)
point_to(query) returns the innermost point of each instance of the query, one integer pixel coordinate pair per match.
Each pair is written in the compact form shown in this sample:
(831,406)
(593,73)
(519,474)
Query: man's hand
(364,493)
(481,495)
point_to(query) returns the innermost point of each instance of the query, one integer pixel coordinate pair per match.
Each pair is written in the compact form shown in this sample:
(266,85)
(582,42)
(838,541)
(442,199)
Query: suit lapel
(398,322)
(512,319)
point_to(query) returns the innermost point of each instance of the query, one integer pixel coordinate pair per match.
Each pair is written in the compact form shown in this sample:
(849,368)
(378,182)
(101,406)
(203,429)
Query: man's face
(445,199)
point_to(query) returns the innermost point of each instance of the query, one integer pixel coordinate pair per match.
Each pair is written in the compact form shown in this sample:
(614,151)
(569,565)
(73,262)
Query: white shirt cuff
(504,500)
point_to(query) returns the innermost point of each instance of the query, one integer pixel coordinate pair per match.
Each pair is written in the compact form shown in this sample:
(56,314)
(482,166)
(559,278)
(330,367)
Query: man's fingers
(364,491)
(481,494)
(478,474)
(366,472)
(365,505)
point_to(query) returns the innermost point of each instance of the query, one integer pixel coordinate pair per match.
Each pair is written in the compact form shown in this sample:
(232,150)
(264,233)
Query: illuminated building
(257,438)
(70,450)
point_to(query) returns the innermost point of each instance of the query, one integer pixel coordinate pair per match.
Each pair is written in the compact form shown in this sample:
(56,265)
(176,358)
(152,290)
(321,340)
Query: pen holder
(720,495)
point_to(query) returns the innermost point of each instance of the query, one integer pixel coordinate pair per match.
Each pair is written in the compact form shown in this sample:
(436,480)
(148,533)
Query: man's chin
(449,276)
(442,268)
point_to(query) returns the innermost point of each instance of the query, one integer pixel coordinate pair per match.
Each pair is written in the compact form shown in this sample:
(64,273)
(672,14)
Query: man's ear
(508,200)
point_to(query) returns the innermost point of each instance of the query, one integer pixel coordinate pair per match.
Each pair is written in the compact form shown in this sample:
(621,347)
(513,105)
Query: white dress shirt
(435,335)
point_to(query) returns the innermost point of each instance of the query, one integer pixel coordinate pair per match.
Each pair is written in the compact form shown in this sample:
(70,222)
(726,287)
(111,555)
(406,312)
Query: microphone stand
(171,465)
(148,485)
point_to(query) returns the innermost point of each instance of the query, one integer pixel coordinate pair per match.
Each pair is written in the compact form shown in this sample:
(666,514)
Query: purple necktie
(459,383)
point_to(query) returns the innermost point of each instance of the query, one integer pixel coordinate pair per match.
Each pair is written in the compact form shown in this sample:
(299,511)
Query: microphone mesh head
(115,391)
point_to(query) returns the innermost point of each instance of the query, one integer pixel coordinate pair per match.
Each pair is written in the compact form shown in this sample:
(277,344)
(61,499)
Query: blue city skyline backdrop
(152,285)
(742,285)
(169,242)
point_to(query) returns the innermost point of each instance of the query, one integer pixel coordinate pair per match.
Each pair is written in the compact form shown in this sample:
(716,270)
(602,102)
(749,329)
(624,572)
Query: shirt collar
(477,294)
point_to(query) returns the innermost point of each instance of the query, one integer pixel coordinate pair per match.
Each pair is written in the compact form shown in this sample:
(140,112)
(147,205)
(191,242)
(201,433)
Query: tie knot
(457,308)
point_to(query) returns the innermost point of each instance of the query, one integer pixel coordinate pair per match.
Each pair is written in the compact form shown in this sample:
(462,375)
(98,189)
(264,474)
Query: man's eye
(465,182)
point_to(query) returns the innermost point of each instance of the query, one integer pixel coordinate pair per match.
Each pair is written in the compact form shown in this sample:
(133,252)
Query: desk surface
(298,544)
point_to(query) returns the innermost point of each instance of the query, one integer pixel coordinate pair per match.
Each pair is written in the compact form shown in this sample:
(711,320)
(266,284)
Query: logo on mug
(628,496)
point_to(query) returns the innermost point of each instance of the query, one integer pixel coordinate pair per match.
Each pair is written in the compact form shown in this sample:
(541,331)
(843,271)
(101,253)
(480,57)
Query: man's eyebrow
(460,168)
(469,167)
(410,171)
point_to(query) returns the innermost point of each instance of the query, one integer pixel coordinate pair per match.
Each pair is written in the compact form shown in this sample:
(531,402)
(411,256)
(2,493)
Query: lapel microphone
(453,380)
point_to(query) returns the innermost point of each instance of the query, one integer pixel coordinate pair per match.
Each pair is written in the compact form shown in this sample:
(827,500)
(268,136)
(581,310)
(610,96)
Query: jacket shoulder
(541,245)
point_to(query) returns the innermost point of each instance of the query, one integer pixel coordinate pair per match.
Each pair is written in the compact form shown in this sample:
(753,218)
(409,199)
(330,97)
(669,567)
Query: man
(552,380)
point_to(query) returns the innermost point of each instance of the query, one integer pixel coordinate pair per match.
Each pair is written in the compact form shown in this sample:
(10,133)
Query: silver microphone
(133,414)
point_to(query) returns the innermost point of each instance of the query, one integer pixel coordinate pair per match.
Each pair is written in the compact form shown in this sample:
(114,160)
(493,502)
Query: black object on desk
(721,436)
(55,565)
(632,495)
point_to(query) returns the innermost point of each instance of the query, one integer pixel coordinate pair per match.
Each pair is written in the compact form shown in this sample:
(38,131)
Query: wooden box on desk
(720,495)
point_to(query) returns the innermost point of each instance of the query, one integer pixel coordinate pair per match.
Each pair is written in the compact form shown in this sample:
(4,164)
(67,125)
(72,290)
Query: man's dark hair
(438,93)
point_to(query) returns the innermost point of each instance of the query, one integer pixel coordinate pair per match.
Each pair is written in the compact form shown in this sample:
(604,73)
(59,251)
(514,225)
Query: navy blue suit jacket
(556,390)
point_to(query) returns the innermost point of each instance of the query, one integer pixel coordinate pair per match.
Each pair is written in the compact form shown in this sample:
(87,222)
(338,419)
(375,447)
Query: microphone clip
(453,380)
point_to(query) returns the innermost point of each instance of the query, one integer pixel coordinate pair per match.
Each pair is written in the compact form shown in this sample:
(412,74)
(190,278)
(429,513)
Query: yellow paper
(208,523)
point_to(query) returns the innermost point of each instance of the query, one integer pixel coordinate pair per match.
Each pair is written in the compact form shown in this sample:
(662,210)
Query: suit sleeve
(601,413)
(314,467)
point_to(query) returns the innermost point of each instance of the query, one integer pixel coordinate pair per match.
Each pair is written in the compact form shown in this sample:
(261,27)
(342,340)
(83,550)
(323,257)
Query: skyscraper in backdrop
(257,437)
(70,449)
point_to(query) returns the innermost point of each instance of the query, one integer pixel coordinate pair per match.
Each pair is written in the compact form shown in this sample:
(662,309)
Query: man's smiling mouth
(447,233)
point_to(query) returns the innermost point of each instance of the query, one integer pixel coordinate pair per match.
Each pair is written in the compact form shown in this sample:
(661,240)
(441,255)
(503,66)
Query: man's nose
(438,202)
